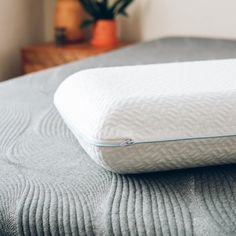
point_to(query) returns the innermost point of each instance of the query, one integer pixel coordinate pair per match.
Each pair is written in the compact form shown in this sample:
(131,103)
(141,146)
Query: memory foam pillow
(153,117)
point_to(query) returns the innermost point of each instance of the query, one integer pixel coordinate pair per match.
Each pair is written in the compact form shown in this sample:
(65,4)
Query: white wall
(49,9)
(150,19)
(21,23)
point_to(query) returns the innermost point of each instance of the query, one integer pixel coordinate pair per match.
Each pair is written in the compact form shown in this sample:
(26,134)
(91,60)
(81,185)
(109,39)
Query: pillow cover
(148,118)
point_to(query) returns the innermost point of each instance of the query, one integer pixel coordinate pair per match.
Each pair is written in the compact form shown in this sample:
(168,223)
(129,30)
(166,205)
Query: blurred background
(26,22)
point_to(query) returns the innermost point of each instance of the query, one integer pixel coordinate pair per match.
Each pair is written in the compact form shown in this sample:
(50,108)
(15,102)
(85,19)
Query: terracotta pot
(69,15)
(105,33)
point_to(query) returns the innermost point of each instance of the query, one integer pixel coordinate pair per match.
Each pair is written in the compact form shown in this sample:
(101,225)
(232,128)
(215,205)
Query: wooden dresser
(46,55)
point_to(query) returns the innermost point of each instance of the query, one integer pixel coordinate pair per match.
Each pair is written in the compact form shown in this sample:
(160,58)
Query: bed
(49,185)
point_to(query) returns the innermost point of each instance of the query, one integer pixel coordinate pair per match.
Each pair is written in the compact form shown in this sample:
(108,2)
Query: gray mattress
(49,185)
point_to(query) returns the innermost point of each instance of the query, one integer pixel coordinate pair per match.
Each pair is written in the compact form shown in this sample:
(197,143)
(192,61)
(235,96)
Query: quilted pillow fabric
(154,117)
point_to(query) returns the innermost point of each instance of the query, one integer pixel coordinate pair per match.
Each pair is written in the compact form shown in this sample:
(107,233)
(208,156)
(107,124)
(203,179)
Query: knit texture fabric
(49,185)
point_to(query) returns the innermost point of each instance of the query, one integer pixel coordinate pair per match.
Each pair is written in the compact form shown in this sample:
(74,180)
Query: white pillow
(153,117)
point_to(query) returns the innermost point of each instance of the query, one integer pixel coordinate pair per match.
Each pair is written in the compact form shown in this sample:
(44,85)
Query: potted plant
(102,17)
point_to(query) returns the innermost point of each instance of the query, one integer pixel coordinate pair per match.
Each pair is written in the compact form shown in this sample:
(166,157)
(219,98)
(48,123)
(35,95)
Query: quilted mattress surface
(49,185)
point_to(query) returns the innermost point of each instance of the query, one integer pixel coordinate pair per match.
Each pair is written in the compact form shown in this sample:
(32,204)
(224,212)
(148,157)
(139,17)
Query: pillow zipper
(128,141)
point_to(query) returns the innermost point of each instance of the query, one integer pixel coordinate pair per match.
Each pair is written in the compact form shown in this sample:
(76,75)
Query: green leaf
(123,13)
(115,5)
(86,23)
(91,7)
(123,6)
(99,9)
(106,3)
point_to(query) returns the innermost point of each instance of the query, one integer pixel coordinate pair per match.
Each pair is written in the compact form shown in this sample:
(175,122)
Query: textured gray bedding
(49,185)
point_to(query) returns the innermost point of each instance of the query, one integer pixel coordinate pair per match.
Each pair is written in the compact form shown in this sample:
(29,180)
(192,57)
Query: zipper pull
(127,142)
